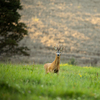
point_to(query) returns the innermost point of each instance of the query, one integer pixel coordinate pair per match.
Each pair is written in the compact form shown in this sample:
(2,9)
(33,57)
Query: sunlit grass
(35,19)
(22,82)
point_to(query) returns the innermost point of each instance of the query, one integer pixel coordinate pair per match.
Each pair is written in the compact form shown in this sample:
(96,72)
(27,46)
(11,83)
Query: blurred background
(74,24)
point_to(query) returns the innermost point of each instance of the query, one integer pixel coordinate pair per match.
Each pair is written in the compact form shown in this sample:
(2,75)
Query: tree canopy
(11,30)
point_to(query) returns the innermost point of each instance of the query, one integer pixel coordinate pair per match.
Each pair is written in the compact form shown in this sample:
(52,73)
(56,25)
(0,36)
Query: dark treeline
(11,30)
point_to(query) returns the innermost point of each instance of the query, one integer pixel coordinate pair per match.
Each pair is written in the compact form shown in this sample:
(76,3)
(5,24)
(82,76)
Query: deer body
(55,65)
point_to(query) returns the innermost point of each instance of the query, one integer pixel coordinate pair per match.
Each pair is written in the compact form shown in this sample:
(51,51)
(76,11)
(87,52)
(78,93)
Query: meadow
(29,82)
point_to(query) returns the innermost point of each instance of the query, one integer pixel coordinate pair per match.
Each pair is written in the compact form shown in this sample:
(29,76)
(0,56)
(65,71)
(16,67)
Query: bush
(72,61)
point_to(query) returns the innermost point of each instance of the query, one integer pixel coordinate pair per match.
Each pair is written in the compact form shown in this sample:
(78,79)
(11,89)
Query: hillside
(73,23)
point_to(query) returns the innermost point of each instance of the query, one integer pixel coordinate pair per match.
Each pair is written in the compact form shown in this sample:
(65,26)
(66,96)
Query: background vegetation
(22,82)
(11,30)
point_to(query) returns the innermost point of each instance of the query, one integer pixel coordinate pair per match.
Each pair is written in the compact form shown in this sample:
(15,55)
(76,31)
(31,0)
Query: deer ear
(61,49)
(55,48)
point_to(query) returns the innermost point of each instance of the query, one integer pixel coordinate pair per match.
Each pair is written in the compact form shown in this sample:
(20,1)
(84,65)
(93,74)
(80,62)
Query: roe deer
(55,65)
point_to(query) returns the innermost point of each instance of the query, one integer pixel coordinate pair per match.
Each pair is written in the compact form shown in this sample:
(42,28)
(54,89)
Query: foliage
(72,61)
(22,82)
(11,30)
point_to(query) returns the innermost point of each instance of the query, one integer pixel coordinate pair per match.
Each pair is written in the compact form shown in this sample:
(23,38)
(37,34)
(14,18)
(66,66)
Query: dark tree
(11,30)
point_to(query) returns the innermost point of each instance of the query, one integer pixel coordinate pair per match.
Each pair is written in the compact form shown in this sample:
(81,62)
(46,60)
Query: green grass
(29,82)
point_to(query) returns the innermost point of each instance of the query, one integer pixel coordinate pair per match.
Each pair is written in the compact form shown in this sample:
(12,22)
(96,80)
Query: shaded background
(73,23)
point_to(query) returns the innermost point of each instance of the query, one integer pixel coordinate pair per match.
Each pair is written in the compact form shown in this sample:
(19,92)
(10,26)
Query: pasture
(29,82)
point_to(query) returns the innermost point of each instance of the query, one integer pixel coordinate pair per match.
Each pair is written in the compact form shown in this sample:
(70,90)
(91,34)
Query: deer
(54,67)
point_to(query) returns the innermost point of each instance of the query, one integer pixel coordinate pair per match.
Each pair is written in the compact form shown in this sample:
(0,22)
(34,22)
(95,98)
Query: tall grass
(29,82)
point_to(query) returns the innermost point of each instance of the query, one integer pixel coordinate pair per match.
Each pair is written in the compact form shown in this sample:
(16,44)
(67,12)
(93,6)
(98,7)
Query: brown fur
(54,66)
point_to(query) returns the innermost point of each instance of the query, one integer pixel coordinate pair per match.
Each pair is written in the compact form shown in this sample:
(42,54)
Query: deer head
(58,49)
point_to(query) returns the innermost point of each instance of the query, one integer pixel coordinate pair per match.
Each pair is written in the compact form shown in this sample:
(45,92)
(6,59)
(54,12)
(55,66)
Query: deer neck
(57,60)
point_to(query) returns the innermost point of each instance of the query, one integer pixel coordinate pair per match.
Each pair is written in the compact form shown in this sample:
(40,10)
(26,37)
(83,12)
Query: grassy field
(29,82)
